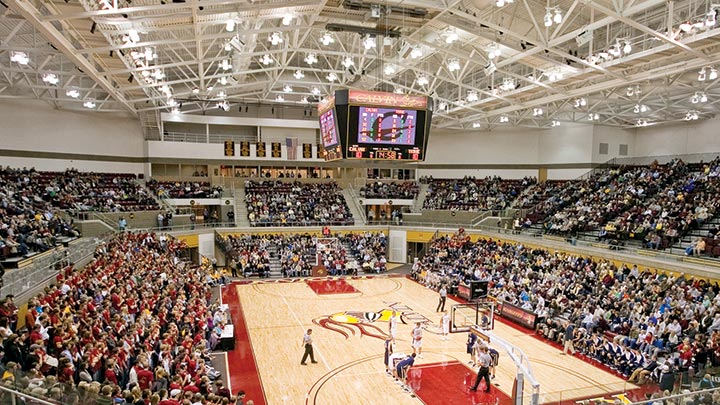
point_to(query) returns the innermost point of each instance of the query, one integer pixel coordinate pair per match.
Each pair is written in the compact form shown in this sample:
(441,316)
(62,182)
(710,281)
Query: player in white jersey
(392,325)
(416,334)
(445,322)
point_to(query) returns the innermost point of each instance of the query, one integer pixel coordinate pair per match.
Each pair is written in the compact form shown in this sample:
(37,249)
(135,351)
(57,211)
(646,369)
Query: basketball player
(494,357)
(388,353)
(416,334)
(392,325)
(445,322)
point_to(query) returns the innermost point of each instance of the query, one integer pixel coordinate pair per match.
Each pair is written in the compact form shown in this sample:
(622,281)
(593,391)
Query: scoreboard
(357,124)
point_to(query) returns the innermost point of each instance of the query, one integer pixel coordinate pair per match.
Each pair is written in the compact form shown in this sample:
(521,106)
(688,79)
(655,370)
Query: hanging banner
(276,150)
(260,149)
(307,151)
(229,148)
(245,148)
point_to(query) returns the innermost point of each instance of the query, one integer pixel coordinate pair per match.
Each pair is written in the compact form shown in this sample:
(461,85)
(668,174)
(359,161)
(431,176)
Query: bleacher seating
(407,190)
(470,194)
(621,320)
(277,203)
(134,316)
(184,189)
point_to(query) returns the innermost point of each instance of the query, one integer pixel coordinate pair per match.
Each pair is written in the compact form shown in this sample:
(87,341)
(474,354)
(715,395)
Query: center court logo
(350,322)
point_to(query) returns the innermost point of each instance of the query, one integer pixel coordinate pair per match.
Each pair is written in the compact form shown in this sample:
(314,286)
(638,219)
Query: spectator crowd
(277,203)
(623,317)
(407,190)
(135,326)
(471,194)
(184,189)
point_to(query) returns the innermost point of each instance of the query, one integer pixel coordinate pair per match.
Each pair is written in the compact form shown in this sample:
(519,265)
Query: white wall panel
(476,147)
(59,165)
(679,139)
(613,137)
(35,126)
(206,244)
(398,246)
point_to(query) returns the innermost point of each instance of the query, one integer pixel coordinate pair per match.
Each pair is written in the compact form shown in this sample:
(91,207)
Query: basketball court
(349,321)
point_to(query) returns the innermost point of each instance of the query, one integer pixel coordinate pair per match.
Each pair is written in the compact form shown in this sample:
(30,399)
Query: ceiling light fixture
(331,77)
(555,123)
(223,105)
(580,102)
(453,64)
(195,90)
(299,74)
(287,88)
(416,52)
(443,106)
(72,92)
(476,125)
(557,18)
(369,42)
(422,80)
(275,38)
(593,117)
(537,112)
(451,36)
(266,59)
(311,59)
(507,84)
(504,119)
(89,103)
(691,115)
(327,38)
(21,58)
(347,62)
(547,20)
(304,100)
(134,36)
(702,75)
(50,78)
(230,25)
(398,90)
(641,123)
(713,74)
(287,19)
(472,95)
(315,91)
(493,50)
(223,80)
(280,98)
(226,64)
(389,70)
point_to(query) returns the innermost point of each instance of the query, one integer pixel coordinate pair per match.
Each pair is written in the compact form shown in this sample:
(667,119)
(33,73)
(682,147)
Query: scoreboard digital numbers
(357,124)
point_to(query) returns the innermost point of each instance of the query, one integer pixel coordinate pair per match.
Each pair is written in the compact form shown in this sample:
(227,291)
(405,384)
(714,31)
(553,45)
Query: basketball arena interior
(207,202)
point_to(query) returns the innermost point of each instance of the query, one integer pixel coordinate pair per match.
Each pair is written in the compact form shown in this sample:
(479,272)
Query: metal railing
(354,198)
(20,281)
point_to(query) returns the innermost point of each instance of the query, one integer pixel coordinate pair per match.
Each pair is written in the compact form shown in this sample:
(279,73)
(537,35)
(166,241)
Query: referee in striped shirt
(484,360)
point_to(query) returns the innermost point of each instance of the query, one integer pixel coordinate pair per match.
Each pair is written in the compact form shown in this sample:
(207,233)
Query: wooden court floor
(350,368)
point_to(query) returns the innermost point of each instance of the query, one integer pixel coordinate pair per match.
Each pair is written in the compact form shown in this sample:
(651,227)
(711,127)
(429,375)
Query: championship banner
(229,148)
(307,151)
(276,150)
(245,148)
(260,149)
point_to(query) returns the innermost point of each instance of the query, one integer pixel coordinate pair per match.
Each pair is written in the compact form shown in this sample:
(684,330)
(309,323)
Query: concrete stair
(241,211)
(420,199)
(354,207)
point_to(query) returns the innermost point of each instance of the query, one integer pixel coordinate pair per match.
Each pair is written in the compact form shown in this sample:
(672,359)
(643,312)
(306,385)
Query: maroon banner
(518,315)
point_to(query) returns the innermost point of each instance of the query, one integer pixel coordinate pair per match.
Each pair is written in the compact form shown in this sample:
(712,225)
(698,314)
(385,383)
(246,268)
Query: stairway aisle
(241,211)
(353,205)
(420,199)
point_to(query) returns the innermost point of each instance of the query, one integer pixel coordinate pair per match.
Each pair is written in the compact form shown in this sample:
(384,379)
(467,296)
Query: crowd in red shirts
(134,326)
